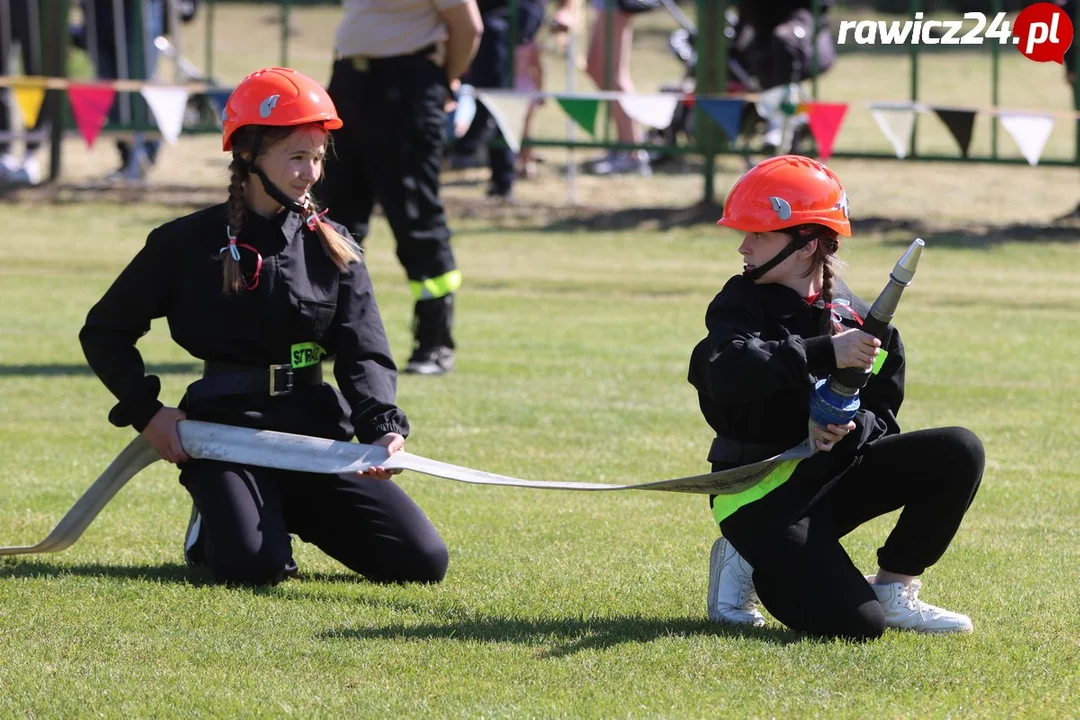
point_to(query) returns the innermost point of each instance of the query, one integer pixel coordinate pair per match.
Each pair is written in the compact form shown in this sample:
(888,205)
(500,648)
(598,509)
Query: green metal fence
(709,141)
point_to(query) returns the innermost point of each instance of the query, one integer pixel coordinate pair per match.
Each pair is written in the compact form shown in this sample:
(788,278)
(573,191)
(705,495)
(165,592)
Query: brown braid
(232,279)
(340,251)
(824,261)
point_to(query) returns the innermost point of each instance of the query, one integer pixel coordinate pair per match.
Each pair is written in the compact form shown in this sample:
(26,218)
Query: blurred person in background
(398,65)
(615,57)
(491,69)
(20,23)
(137,44)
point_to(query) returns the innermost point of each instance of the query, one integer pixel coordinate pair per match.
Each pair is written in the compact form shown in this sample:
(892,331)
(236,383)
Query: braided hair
(825,261)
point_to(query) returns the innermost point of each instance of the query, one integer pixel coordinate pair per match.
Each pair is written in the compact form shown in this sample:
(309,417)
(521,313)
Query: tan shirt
(383,28)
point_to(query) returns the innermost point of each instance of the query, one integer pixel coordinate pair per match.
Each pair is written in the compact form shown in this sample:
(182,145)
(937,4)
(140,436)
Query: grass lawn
(573,354)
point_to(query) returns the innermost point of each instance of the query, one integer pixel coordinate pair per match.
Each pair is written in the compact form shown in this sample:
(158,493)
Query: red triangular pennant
(90,104)
(825,120)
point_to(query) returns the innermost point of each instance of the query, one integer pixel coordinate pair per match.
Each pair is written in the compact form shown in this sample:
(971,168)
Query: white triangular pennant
(897,123)
(653,111)
(509,112)
(1030,133)
(168,105)
(768,101)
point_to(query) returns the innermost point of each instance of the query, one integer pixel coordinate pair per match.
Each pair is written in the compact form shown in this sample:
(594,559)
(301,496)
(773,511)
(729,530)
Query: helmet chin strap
(271,189)
(798,242)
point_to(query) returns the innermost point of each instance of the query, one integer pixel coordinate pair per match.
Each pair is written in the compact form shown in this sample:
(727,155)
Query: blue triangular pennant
(725,112)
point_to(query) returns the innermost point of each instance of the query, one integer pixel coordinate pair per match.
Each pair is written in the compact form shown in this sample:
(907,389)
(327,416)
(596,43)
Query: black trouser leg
(344,188)
(243,523)
(393,119)
(932,474)
(371,526)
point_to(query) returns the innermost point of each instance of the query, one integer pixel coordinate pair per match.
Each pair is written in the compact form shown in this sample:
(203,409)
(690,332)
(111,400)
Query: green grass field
(573,355)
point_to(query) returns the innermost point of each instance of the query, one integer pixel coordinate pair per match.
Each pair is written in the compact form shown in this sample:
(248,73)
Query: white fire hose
(284,451)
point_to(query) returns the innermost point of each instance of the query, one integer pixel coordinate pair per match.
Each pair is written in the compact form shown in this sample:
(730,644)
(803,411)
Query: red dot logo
(1043,32)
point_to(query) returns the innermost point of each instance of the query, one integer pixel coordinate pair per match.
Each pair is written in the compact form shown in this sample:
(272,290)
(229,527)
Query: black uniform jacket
(755,369)
(301,297)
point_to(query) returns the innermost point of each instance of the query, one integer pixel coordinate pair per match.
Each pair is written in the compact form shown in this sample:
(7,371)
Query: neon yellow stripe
(725,505)
(879,361)
(436,287)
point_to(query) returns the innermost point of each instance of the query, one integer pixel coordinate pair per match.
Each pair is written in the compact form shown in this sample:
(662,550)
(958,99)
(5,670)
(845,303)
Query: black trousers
(370,526)
(791,536)
(390,150)
(25,22)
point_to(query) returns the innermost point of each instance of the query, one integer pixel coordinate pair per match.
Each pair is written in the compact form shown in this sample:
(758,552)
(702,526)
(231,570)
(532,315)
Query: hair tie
(313,219)
(233,249)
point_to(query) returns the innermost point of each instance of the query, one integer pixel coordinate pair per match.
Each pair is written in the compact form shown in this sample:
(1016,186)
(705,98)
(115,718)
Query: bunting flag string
(92,101)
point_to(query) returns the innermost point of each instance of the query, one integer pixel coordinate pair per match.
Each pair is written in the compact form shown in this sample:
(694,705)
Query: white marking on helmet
(843,204)
(267,105)
(781,206)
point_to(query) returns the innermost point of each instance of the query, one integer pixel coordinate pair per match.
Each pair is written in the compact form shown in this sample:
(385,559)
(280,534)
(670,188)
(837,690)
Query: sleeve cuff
(820,358)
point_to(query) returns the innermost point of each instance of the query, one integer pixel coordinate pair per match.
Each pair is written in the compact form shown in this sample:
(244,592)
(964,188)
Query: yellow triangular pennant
(29,98)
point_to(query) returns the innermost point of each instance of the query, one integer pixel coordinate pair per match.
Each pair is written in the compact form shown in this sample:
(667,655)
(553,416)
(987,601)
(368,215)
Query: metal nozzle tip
(905,267)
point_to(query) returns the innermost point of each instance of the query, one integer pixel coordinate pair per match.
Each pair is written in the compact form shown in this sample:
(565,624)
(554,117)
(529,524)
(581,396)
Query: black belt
(360,61)
(220,378)
(738,452)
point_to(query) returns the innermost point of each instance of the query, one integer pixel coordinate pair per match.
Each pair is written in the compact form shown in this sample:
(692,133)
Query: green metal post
(54,42)
(138,46)
(916,6)
(711,80)
(286,9)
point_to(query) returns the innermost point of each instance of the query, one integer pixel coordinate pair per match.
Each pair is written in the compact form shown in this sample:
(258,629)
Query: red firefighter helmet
(277,96)
(786,191)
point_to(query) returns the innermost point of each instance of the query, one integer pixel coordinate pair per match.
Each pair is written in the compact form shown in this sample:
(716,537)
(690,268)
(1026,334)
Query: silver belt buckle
(273,380)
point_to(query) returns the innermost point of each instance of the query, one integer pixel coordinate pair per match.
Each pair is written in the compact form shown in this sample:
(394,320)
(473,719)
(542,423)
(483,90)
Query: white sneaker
(731,587)
(29,173)
(905,611)
(622,163)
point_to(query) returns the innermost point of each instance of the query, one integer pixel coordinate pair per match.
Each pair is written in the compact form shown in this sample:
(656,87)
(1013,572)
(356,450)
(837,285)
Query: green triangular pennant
(583,112)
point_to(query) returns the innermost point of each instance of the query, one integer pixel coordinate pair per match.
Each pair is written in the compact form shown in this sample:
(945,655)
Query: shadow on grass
(971,236)
(13,567)
(56,369)
(562,636)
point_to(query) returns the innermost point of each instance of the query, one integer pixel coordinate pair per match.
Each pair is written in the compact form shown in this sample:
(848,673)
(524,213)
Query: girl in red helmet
(262,289)
(773,331)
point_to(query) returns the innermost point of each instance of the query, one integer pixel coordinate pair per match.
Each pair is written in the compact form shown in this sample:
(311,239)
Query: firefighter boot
(433,347)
